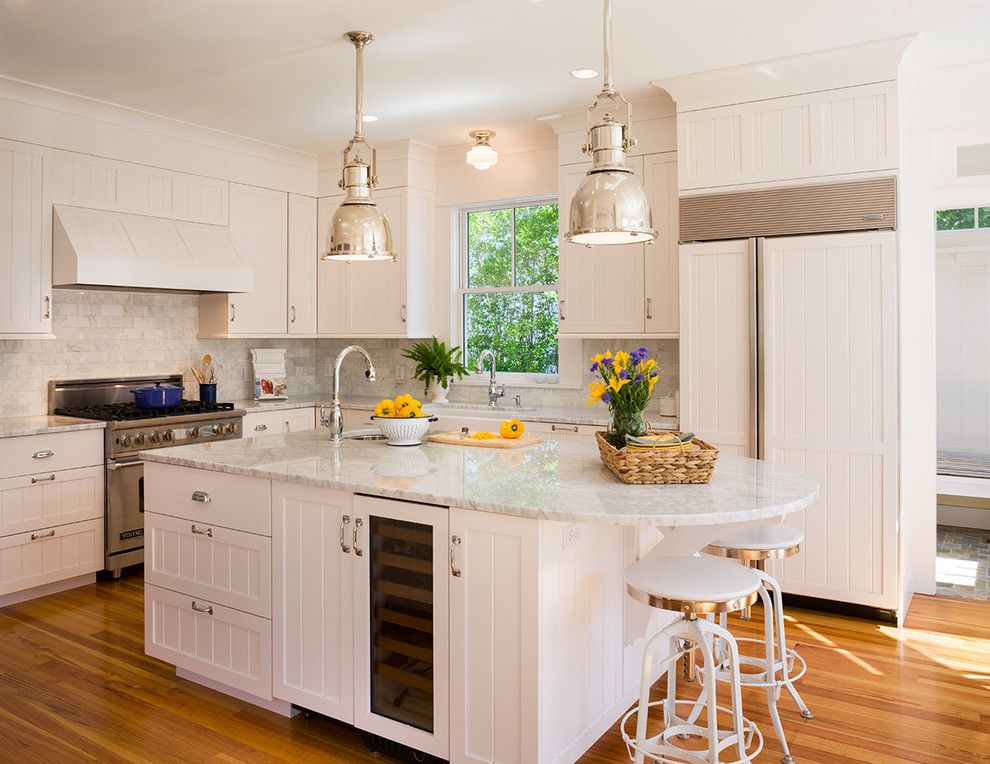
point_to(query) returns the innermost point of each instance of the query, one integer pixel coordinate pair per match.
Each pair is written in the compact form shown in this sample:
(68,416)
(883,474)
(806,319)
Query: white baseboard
(964,517)
(281,707)
(40,591)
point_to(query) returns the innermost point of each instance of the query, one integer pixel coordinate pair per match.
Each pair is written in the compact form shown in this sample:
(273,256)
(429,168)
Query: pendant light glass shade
(359,231)
(482,156)
(610,205)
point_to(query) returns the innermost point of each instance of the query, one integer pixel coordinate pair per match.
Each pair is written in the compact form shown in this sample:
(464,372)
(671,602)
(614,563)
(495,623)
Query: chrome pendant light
(358,229)
(610,206)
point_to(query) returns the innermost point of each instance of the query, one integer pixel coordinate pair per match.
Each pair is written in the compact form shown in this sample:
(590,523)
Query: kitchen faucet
(494,391)
(336,419)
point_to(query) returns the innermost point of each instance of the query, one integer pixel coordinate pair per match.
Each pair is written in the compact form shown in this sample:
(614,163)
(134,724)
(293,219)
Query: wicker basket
(650,467)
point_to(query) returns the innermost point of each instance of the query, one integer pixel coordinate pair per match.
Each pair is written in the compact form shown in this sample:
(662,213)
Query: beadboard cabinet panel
(48,499)
(25,240)
(661,257)
(303,259)
(835,132)
(91,181)
(51,554)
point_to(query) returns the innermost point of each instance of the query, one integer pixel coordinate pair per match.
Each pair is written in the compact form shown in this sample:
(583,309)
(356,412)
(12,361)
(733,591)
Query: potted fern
(436,366)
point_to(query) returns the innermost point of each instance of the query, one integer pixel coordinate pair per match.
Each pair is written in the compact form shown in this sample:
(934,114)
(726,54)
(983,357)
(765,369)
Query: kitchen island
(465,602)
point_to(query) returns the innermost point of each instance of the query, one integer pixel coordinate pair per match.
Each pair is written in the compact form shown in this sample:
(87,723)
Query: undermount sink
(363,435)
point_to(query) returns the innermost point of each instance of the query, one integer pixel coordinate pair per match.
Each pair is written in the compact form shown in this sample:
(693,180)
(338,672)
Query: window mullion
(513,242)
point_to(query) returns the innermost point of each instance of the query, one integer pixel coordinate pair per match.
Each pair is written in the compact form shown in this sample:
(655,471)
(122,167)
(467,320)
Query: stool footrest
(762,678)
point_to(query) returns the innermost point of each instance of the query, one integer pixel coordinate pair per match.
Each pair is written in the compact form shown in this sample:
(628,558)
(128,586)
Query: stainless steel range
(131,430)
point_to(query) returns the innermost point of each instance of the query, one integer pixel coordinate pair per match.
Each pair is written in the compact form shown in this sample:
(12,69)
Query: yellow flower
(653,381)
(595,392)
(621,358)
(615,383)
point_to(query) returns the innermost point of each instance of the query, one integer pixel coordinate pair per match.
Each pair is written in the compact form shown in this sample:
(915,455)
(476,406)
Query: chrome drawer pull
(208,609)
(198,532)
(358,522)
(649,307)
(562,428)
(343,524)
(42,479)
(455,541)
(45,535)
(202,496)
(260,427)
(46,454)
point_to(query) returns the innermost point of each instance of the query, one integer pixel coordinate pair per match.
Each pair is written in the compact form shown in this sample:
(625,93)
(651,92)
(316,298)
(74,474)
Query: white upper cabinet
(834,132)
(259,225)
(90,181)
(381,299)
(303,256)
(661,257)
(25,241)
(601,288)
(626,289)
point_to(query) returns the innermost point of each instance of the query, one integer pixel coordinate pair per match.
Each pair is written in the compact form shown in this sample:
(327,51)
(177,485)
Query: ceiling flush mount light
(583,74)
(358,229)
(481,156)
(610,206)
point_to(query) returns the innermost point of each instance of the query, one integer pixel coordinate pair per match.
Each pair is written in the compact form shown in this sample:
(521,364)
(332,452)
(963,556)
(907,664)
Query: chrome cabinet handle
(42,479)
(199,532)
(455,541)
(562,428)
(344,522)
(208,609)
(45,535)
(649,308)
(260,427)
(560,308)
(48,306)
(46,454)
(358,522)
(402,313)
(292,308)
(233,311)
(201,496)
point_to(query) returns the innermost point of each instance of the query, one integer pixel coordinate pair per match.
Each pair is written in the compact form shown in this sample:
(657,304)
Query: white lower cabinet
(279,421)
(49,555)
(494,639)
(380,567)
(218,643)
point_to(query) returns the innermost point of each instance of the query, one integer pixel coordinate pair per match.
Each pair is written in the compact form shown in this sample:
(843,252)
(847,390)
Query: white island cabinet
(466,603)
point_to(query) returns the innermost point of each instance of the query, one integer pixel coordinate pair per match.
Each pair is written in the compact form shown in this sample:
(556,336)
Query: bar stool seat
(766,542)
(692,586)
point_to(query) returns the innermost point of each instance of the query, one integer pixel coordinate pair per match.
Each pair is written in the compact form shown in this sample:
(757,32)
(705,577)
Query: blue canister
(208,393)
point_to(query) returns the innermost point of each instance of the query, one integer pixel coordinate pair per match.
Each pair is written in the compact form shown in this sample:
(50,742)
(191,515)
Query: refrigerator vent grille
(824,208)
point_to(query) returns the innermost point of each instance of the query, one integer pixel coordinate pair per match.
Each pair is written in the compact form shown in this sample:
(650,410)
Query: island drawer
(231,568)
(214,498)
(48,499)
(208,639)
(50,452)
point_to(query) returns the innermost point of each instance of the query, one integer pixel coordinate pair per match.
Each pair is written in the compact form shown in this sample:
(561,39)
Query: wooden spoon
(207,371)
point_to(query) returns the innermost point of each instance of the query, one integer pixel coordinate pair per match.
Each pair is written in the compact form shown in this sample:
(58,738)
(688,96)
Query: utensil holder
(208,393)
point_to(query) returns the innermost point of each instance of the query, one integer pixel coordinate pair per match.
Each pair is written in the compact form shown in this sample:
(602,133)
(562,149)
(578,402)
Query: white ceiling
(279,70)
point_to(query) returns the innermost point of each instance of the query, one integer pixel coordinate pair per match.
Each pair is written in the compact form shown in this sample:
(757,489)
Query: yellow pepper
(385,408)
(512,429)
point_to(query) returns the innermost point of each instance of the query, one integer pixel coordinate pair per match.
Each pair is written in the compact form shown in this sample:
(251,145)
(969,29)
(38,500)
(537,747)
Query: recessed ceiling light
(583,74)
(369,118)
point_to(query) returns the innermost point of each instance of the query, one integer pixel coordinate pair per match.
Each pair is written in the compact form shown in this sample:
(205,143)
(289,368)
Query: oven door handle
(112,465)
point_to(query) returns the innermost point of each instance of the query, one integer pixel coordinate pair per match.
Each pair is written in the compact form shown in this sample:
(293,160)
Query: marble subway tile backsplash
(129,334)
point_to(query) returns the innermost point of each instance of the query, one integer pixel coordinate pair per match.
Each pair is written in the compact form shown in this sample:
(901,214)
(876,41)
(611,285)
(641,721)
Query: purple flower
(654,373)
(594,366)
(639,378)
(607,359)
(623,374)
(606,397)
(640,354)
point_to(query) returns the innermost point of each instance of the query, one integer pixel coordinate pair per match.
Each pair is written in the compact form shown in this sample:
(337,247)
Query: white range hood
(98,248)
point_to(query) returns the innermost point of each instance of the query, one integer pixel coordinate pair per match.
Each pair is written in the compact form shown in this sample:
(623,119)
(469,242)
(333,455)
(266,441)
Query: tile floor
(962,565)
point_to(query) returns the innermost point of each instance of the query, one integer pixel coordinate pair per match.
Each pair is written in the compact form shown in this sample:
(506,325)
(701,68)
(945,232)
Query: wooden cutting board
(454,439)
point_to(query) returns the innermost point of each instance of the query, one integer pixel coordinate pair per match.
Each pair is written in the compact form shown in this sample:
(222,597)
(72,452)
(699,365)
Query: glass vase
(625,422)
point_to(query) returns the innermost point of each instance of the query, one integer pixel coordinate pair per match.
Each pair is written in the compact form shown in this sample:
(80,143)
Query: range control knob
(218,429)
(231,428)
(155,437)
(139,439)
(124,440)
(168,436)
(194,432)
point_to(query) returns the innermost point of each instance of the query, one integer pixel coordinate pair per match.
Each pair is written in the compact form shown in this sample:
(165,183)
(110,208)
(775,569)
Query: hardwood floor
(76,686)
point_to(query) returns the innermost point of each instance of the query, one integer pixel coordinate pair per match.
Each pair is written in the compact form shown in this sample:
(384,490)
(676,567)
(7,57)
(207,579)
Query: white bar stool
(776,668)
(692,586)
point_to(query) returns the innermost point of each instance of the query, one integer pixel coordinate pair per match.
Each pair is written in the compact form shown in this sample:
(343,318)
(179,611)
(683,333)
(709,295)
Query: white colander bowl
(404,431)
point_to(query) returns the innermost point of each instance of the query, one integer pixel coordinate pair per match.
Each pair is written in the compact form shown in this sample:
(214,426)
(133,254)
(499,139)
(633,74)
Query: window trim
(461,265)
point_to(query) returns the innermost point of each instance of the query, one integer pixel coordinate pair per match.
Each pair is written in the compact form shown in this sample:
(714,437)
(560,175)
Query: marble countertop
(559,481)
(596,415)
(12,427)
